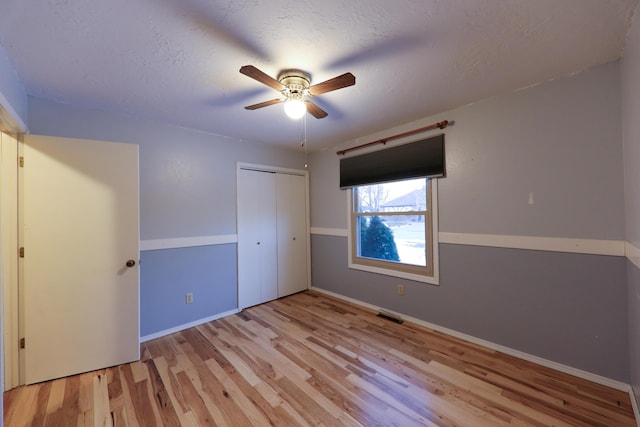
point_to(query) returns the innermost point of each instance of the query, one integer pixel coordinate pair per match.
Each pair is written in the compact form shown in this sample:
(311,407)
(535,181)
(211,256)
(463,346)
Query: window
(392,229)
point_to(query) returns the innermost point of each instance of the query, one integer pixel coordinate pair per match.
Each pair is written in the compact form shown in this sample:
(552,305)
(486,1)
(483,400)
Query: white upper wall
(187,178)
(559,140)
(13,96)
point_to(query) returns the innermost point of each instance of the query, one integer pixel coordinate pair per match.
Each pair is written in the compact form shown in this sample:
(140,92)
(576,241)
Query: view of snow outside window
(384,231)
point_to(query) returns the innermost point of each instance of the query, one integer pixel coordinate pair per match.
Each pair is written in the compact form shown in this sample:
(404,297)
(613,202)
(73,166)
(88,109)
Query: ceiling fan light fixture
(295,108)
(295,87)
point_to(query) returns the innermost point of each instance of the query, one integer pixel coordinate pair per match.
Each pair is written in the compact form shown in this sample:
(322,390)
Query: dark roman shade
(418,159)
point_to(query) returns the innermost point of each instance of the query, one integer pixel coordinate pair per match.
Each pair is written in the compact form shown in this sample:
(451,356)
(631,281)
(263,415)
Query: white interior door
(292,234)
(80,225)
(257,239)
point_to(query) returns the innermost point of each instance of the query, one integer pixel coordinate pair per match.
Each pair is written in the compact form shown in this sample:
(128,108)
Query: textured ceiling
(177,61)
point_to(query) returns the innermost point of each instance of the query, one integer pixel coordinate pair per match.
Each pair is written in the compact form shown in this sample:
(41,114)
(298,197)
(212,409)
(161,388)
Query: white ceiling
(177,61)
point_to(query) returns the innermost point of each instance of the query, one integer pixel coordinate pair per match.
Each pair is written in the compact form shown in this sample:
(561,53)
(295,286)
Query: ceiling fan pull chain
(304,140)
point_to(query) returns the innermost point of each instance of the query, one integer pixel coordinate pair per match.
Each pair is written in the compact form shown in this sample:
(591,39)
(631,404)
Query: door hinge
(21,252)
(21,343)
(21,161)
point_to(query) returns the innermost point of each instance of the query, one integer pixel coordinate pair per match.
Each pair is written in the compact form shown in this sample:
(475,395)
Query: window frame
(428,274)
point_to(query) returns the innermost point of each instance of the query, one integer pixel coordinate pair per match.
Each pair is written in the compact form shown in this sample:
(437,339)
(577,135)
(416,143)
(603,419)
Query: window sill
(432,280)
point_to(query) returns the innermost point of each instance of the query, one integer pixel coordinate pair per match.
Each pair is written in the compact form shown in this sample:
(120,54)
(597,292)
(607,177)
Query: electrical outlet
(188,298)
(400,289)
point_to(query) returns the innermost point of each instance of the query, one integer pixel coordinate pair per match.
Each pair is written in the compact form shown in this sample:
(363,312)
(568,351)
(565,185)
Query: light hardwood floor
(313,360)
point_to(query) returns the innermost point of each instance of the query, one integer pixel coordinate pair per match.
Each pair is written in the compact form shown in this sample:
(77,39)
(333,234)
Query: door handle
(130,263)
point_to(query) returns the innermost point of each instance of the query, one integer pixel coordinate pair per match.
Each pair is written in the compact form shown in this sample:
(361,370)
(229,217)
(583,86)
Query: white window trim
(433,280)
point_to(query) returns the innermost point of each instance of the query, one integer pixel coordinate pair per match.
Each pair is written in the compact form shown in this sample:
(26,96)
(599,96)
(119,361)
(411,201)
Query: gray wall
(560,140)
(187,189)
(552,305)
(167,275)
(631,137)
(633,278)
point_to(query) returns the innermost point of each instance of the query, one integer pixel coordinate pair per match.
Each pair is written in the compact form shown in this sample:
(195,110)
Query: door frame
(13,125)
(290,171)
(10,287)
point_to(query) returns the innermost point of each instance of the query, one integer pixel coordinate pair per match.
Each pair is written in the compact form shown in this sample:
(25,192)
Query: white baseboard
(497,347)
(187,325)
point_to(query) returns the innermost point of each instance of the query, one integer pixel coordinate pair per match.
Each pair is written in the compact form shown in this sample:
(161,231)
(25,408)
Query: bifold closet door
(292,233)
(257,238)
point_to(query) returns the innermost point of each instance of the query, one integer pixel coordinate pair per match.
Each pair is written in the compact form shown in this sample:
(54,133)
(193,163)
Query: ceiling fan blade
(254,73)
(264,104)
(345,80)
(315,111)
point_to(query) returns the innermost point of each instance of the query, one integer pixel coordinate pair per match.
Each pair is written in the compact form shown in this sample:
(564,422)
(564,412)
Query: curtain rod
(440,125)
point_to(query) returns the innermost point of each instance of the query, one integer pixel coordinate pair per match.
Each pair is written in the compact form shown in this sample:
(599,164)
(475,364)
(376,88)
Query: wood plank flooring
(312,360)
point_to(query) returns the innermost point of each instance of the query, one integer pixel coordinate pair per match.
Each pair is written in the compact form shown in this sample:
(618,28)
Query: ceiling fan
(295,86)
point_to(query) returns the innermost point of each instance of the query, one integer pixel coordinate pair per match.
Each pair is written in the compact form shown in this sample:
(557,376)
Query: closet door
(257,238)
(292,234)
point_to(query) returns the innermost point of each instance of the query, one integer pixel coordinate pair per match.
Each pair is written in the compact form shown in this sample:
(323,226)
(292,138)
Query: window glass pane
(409,234)
(409,195)
(396,238)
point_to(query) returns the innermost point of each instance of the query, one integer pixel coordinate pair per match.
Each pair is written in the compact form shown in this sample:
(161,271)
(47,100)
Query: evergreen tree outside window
(392,229)
(377,241)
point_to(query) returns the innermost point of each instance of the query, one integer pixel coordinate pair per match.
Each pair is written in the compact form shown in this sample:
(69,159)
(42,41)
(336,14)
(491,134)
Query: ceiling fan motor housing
(296,83)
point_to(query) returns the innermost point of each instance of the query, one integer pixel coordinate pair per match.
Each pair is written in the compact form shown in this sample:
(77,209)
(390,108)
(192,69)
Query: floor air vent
(390,316)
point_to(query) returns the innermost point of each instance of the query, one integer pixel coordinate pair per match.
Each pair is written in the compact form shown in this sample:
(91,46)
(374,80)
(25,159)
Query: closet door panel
(292,234)
(268,241)
(257,238)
